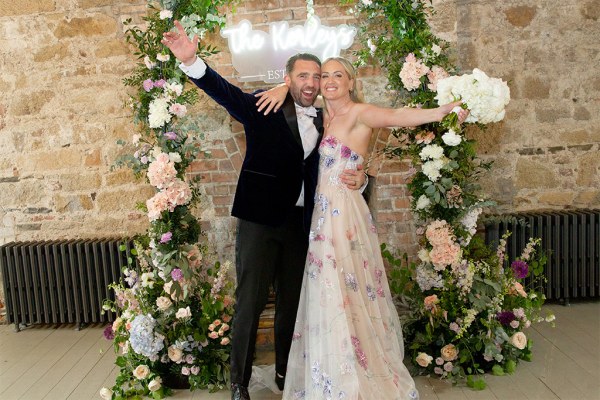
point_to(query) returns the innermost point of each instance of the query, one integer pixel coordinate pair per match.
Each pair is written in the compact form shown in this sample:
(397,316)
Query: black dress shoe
(280,381)
(239,392)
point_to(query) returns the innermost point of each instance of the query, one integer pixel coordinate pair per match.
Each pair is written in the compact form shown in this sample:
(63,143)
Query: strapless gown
(347,340)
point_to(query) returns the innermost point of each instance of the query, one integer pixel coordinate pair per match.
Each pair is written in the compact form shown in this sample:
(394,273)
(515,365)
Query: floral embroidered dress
(347,339)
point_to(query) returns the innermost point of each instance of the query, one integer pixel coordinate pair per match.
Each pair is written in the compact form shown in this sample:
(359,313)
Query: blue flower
(142,338)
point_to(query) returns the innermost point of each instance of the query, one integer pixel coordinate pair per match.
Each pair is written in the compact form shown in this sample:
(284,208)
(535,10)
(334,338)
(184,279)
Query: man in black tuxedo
(273,202)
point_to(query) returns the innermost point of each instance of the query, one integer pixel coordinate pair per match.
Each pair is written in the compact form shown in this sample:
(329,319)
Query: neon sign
(261,56)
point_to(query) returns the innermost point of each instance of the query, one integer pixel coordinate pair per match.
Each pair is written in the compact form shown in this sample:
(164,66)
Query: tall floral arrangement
(175,301)
(468,307)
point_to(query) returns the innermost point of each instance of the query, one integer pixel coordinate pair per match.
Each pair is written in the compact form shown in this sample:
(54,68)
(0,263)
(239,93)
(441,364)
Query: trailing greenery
(467,305)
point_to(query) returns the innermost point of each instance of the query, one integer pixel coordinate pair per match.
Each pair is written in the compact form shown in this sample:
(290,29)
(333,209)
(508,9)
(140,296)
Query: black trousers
(266,255)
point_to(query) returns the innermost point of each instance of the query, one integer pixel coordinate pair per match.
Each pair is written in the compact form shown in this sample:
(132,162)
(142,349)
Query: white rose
(155,384)
(183,313)
(424,359)
(422,202)
(163,303)
(141,371)
(519,340)
(106,393)
(163,57)
(166,14)
(174,353)
(451,138)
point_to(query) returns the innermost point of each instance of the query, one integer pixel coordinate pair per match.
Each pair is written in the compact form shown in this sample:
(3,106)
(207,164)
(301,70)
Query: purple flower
(520,269)
(148,85)
(177,275)
(160,83)
(166,237)
(170,135)
(346,152)
(108,333)
(505,317)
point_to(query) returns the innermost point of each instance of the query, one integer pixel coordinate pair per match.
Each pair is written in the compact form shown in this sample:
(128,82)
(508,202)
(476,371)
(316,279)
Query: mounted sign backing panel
(261,56)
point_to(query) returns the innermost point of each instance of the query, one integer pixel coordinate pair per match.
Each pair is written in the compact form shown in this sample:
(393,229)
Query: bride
(347,341)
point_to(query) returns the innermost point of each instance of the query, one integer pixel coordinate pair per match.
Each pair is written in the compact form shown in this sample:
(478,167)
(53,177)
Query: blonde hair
(356,94)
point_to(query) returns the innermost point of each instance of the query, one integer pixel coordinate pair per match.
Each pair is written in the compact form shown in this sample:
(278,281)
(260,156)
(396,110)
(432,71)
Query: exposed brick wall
(61,114)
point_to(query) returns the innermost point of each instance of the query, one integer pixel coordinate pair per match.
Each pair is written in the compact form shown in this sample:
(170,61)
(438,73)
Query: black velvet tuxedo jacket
(274,168)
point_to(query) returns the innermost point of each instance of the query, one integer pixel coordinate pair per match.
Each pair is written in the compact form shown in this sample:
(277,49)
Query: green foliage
(465,308)
(174,290)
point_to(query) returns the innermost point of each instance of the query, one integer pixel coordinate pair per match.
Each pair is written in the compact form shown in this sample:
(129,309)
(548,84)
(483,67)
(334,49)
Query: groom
(273,202)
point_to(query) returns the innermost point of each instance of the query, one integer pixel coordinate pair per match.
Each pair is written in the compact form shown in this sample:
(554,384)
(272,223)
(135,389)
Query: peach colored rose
(449,352)
(141,371)
(175,354)
(423,359)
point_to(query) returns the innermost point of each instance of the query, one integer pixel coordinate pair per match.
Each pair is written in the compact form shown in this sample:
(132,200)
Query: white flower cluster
(142,338)
(450,138)
(485,97)
(428,278)
(464,273)
(469,221)
(162,109)
(436,161)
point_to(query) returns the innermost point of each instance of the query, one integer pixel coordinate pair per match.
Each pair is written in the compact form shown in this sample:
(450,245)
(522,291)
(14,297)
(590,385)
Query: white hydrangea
(485,97)
(158,113)
(451,138)
(428,278)
(431,151)
(432,169)
(469,220)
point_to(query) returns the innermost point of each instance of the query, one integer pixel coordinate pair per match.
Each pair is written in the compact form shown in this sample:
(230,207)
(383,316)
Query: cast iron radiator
(572,239)
(55,282)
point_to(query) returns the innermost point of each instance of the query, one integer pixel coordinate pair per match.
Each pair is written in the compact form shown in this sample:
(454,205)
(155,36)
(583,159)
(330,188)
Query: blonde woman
(347,338)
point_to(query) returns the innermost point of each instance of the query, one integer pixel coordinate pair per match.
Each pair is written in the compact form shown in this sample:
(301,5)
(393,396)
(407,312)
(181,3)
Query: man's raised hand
(180,45)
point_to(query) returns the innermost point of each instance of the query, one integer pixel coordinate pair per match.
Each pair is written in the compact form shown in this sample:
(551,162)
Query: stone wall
(61,114)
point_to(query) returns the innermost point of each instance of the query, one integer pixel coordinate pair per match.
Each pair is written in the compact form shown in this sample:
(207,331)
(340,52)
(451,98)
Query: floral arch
(466,306)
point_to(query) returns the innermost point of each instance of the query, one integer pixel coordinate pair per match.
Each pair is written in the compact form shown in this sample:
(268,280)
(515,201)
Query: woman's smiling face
(335,82)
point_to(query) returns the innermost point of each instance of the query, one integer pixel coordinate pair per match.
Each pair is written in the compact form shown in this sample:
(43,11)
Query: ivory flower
(155,384)
(163,303)
(519,340)
(424,359)
(141,372)
(422,202)
(183,313)
(106,393)
(175,354)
